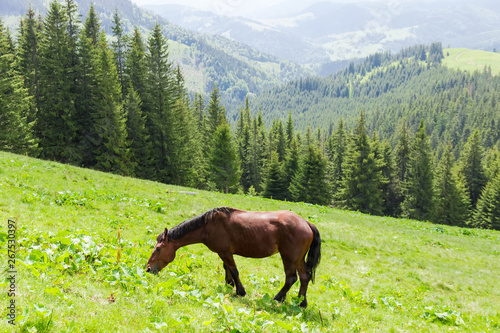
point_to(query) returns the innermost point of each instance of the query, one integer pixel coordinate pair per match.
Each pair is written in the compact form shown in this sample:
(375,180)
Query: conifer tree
(111,151)
(291,166)
(56,127)
(451,205)
(27,60)
(471,167)
(15,130)
(243,134)
(337,147)
(216,112)
(258,152)
(310,181)
(274,185)
(159,101)
(137,137)
(135,69)
(119,45)
(92,26)
(487,213)
(289,131)
(418,202)
(224,164)
(361,186)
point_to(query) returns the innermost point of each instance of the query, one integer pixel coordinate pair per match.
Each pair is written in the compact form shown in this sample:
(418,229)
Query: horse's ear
(165,234)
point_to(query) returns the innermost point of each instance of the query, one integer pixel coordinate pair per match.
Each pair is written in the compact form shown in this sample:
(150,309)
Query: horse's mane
(194,223)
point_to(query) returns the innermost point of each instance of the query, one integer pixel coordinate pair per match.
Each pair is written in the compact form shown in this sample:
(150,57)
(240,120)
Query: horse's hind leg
(231,267)
(304,282)
(290,279)
(229,278)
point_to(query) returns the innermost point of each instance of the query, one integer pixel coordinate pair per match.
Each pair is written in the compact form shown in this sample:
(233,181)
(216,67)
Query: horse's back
(260,234)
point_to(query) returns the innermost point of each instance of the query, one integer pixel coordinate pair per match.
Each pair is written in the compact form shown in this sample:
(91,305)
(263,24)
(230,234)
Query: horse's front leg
(229,278)
(231,267)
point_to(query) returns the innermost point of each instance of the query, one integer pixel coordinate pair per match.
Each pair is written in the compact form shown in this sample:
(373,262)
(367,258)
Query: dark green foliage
(92,26)
(291,165)
(336,149)
(15,130)
(135,65)
(27,60)
(137,137)
(243,137)
(119,48)
(56,126)
(417,187)
(471,167)
(452,205)
(274,184)
(258,152)
(224,164)
(310,181)
(487,213)
(111,151)
(361,187)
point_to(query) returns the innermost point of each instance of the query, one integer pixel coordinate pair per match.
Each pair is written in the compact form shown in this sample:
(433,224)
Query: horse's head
(163,254)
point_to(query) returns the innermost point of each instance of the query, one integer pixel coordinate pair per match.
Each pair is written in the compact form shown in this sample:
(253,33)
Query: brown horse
(229,231)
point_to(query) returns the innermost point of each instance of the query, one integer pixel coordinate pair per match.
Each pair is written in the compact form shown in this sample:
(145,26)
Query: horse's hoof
(231,283)
(241,293)
(303,304)
(279,299)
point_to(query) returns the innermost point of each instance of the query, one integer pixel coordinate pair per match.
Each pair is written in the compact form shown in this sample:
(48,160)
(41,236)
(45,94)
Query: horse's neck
(192,237)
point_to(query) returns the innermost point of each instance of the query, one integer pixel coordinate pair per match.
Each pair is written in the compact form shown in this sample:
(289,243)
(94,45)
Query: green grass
(471,60)
(377,273)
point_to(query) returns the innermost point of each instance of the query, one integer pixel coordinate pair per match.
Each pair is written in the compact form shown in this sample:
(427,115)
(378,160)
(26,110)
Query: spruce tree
(216,113)
(27,60)
(111,151)
(274,185)
(361,187)
(337,147)
(56,126)
(417,189)
(258,152)
(310,181)
(487,213)
(451,206)
(243,135)
(92,26)
(135,70)
(137,136)
(119,48)
(224,164)
(471,167)
(159,102)
(289,130)
(291,166)
(15,130)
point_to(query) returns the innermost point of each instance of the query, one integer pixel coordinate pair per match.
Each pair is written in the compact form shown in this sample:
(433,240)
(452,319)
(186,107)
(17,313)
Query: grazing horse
(229,231)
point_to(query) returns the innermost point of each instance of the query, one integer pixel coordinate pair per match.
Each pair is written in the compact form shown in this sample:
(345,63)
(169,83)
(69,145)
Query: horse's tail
(314,254)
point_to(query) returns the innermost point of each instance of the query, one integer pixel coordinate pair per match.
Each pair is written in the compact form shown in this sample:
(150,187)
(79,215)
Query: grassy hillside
(471,60)
(376,274)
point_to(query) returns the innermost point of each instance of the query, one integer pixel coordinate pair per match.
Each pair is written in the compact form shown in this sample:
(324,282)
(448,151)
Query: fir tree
(451,206)
(92,26)
(15,130)
(243,135)
(135,69)
(119,45)
(487,213)
(224,164)
(159,102)
(417,188)
(289,131)
(111,151)
(471,167)
(336,150)
(361,186)
(274,186)
(137,137)
(27,60)
(258,152)
(56,127)
(216,112)
(310,181)
(291,166)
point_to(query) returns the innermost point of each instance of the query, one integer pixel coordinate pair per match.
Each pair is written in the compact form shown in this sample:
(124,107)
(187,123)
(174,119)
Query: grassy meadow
(471,60)
(84,238)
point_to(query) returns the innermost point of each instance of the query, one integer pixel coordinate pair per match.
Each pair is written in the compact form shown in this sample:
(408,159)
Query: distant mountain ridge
(327,32)
(205,60)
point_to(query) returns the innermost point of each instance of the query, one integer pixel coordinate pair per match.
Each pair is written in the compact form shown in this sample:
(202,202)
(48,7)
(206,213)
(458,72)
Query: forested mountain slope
(410,86)
(205,60)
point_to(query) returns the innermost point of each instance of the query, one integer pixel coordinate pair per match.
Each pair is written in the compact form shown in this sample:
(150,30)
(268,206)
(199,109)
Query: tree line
(70,95)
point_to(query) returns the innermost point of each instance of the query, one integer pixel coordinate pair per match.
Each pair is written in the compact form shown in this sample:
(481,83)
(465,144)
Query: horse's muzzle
(152,271)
